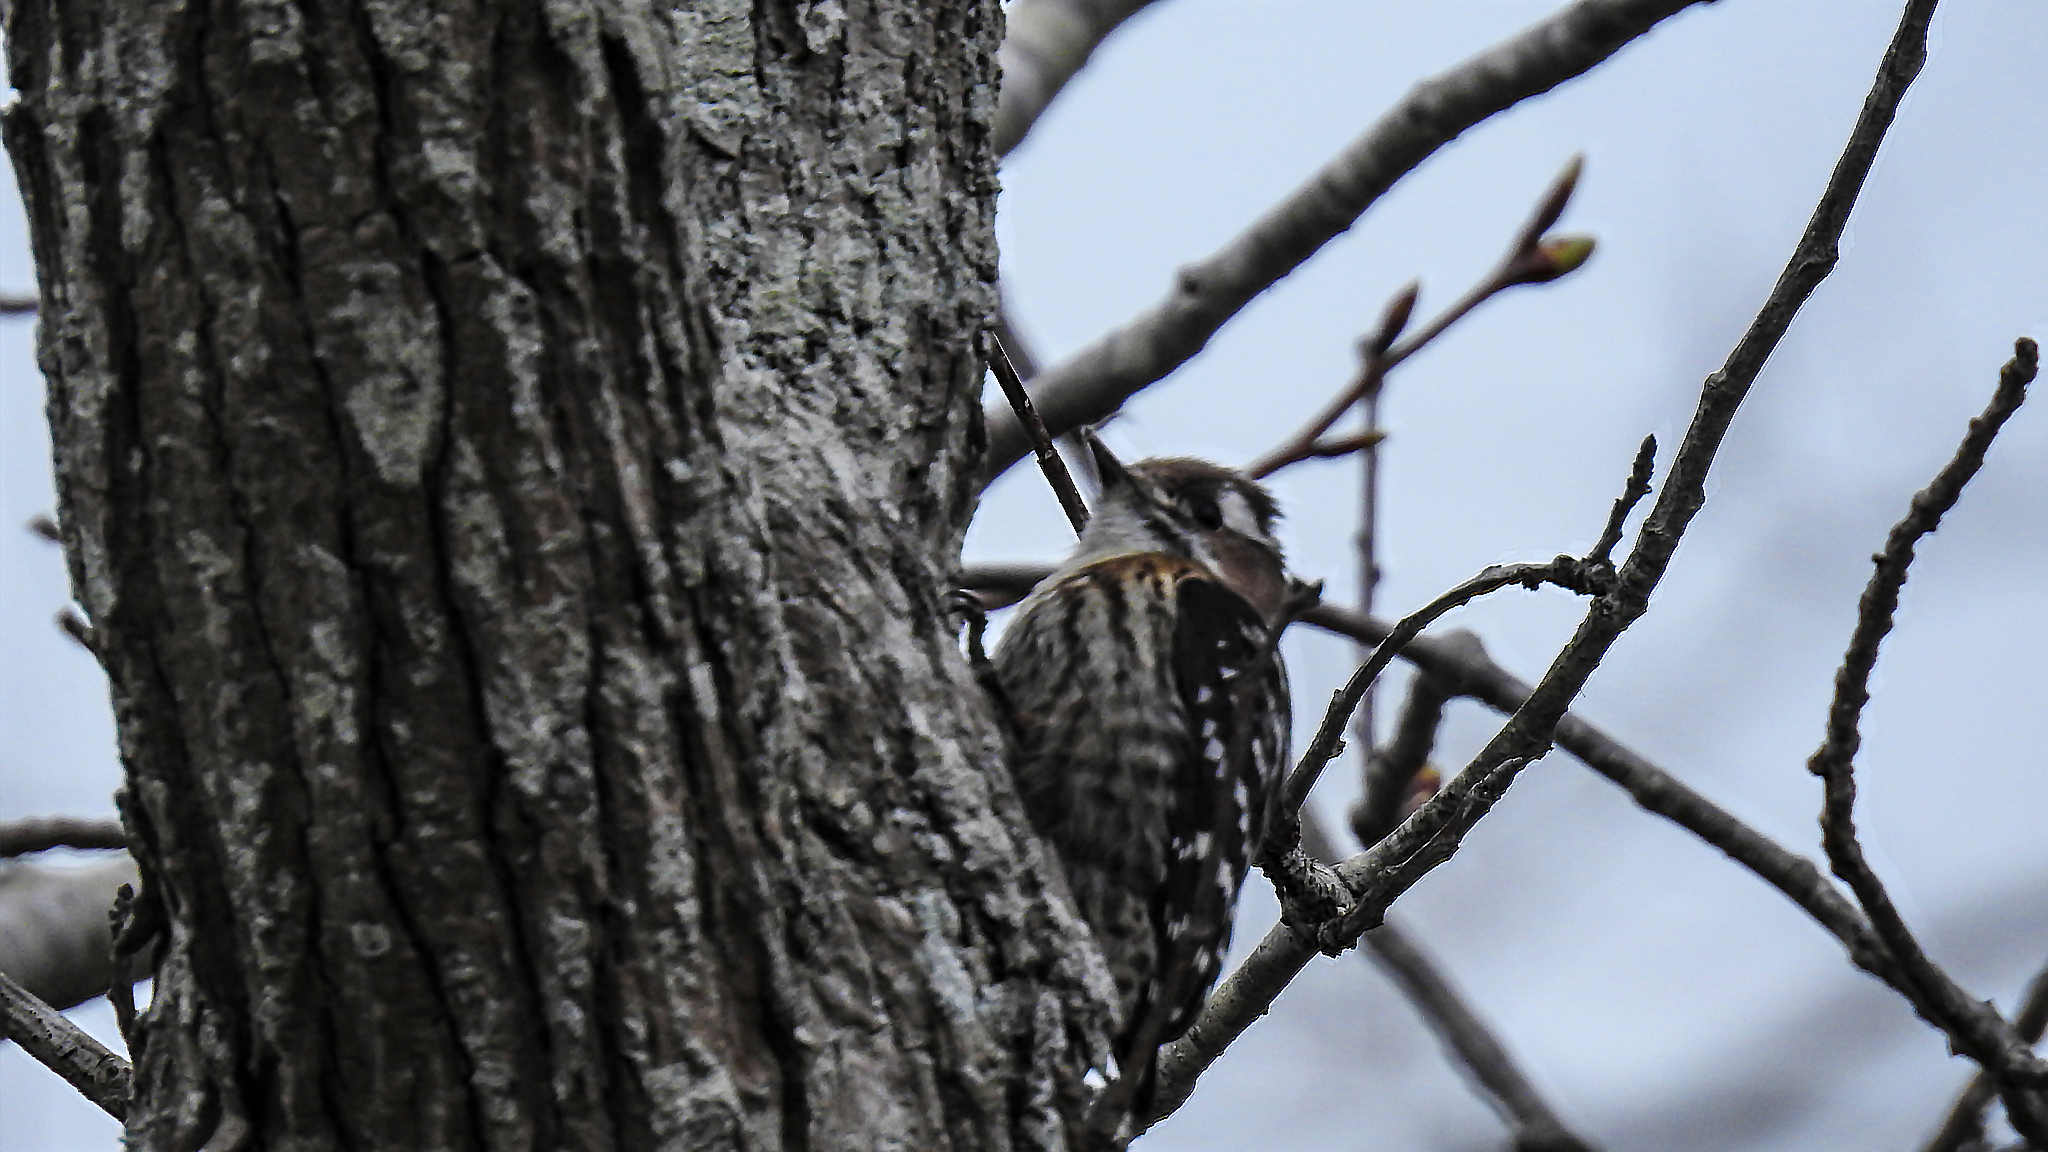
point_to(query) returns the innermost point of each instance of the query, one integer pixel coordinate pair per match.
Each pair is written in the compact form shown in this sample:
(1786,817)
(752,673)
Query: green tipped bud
(1554,256)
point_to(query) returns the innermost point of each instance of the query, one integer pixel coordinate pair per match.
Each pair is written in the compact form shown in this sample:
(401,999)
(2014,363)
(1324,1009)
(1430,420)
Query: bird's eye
(1204,511)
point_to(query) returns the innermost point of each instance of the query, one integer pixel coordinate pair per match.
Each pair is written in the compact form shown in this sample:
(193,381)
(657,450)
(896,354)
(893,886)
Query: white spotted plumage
(1151,717)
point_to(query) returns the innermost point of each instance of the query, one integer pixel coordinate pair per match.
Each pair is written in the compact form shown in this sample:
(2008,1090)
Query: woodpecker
(1151,715)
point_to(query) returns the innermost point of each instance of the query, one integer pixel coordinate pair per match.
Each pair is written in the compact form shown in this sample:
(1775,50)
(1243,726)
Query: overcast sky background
(1660,996)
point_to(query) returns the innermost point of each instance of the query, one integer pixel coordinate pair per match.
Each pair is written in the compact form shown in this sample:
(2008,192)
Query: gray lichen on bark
(514,457)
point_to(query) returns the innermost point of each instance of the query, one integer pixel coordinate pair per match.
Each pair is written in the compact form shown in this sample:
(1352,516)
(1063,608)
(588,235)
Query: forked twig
(1530,258)
(1593,576)
(1965,1124)
(1973,1026)
(1372,368)
(1638,487)
(1565,572)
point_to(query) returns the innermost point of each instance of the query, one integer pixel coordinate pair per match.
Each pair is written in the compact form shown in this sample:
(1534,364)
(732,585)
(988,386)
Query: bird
(1150,712)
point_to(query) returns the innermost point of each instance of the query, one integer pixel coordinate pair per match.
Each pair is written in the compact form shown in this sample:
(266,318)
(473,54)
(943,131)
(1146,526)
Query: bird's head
(1205,512)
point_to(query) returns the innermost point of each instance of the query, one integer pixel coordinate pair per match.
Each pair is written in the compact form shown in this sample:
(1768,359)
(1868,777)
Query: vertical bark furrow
(514,455)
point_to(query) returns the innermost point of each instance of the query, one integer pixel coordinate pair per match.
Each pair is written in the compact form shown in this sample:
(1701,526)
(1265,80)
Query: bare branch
(1565,572)
(1477,676)
(1975,1027)
(65,1048)
(1247,994)
(1049,460)
(21,837)
(18,305)
(1097,380)
(1080,462)
(1965,1124)
(1047,42)
(1368,544)
(1460,661)
(1585,577)
(1244,996)
(1432,834)
(1812,260)
(1530,258)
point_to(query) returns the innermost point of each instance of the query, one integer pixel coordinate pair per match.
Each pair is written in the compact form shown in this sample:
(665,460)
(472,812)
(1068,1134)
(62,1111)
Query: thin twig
(1096,381)
(1433,833)
(1049,460)
(18,305)
(1387,779)
(65,1048)
(1074,450)
(1363,728)
(1972,1025)
(1589,577)
(1529,258)
(21,837)
(1564,572)
(1638,487)
(1459,660)
(1372,368)
(1965,1124)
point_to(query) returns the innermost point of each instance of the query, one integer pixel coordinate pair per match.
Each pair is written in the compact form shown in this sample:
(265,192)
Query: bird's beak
(1111,469)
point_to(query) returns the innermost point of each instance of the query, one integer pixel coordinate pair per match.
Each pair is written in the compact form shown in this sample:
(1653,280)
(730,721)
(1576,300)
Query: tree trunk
(513,457)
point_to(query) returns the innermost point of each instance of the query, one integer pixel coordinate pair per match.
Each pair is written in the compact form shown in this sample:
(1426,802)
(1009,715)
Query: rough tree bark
(513,456)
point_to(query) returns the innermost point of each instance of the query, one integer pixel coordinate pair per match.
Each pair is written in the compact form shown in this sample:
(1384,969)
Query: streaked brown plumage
(1152,718)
